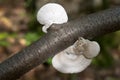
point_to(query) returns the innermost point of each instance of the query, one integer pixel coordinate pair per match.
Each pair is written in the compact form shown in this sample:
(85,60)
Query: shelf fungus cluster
(75,58)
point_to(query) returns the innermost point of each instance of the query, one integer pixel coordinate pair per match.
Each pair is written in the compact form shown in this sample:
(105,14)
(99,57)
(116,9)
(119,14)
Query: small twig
(58,39)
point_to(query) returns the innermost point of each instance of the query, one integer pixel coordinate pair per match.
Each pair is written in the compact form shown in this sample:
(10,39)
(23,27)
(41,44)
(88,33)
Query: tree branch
(57,39)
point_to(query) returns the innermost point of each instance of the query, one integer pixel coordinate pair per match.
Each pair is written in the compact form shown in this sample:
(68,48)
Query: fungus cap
(51,13)
(92,49)
(68,62)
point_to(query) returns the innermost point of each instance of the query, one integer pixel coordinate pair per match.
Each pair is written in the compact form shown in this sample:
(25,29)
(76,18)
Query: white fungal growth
(93,49)
(68,62)
(77,57)
(90,49)
(51,13)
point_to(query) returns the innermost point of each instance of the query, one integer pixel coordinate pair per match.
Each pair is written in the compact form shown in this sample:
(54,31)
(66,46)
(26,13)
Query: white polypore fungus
(92,49)
(68,62)
(51,13)
(77,57)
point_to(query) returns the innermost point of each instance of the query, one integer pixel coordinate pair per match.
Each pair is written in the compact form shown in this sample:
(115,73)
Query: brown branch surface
(57,39)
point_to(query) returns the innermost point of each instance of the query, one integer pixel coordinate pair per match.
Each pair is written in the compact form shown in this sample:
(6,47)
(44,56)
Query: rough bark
(57,39)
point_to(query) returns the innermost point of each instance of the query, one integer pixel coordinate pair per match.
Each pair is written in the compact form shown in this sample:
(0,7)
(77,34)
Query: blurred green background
(19,28)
